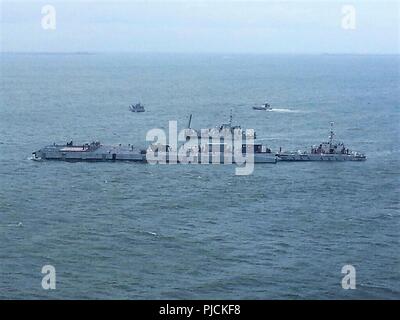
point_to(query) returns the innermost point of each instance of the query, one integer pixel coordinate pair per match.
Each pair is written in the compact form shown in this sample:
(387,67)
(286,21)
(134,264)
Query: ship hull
(102,153)
(216,158)
(319,157)
(128,153)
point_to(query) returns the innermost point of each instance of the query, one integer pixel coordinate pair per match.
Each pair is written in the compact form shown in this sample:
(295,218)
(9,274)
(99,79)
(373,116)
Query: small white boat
(265,107)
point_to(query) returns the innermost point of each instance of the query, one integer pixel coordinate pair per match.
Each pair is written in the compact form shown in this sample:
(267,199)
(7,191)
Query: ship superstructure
(225,141)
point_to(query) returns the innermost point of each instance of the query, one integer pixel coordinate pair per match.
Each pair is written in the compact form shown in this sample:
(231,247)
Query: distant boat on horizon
(265,107)
(138,107)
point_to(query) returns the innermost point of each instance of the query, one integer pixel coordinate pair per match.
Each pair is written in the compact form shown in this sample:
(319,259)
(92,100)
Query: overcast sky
(201,26)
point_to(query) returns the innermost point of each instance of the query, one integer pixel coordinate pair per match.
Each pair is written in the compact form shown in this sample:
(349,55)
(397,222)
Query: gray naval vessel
(94,151)
(330,150)
(208,151)
(211,151)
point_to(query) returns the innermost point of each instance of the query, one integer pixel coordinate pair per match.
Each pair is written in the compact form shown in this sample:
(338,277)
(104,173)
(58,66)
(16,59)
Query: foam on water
(284,110)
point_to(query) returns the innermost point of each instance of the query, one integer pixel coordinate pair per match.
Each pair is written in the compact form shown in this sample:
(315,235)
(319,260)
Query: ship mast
(230,119)
(190,121)
(331,135)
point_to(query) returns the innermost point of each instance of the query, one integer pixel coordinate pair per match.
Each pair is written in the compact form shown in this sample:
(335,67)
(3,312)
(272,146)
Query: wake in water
(18,225)
(284,110)
(33,158)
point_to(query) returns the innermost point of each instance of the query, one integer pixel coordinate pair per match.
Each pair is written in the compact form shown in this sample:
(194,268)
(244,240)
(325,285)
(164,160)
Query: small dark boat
(136,107)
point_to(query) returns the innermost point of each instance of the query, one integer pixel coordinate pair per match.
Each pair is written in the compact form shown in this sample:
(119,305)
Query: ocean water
(137,231)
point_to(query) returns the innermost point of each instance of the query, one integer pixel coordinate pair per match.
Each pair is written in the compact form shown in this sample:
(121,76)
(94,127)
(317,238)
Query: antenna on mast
(332,134)
(190,121)
(230,119)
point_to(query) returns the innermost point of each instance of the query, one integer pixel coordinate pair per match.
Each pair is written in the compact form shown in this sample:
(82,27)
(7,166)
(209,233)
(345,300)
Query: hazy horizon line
(83,52)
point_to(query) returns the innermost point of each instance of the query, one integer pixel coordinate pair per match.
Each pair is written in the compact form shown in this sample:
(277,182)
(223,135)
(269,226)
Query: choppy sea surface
(130,231)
